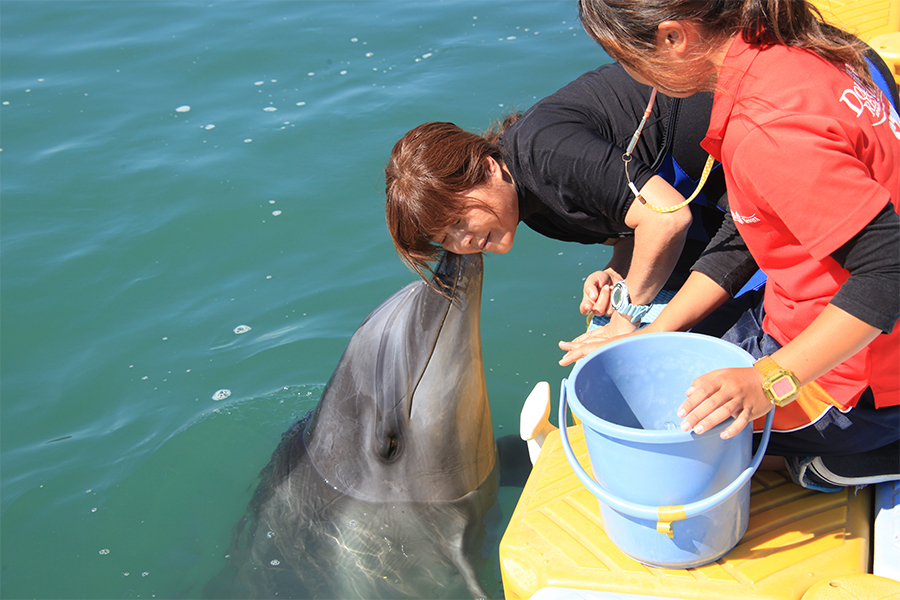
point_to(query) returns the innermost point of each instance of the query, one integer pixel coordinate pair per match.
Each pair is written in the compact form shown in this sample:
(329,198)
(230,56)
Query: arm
(866,305)
(654,251)
(833,337)
(725,266)
(699,296)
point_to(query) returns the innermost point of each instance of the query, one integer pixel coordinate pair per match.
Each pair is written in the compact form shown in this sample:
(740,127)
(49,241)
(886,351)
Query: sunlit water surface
(193,227)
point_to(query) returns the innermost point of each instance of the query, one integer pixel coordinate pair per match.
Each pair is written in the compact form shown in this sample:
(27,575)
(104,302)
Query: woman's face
(490,224)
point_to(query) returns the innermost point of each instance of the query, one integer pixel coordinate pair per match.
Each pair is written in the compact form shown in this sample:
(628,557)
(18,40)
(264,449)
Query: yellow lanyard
(668,209)
(627,158)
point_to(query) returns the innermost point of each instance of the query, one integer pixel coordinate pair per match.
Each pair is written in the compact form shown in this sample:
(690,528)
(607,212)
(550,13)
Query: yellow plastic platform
(876,22)
(796,539)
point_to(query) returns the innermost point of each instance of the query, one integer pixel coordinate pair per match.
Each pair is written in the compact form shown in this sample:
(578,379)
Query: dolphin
(381,491)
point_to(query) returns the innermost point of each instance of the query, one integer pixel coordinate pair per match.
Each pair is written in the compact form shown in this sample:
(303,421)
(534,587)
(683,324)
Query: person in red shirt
(811,167)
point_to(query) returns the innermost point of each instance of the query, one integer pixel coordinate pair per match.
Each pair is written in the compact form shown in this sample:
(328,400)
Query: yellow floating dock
(796,539)
(876,22)
(799,545)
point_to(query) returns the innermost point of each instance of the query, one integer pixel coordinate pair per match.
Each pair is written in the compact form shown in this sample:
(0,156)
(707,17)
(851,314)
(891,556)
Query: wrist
(780,385)
(621,301)
(622,323)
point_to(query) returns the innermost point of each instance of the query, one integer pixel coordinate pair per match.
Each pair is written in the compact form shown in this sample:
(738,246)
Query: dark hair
(627,29)
(430,170)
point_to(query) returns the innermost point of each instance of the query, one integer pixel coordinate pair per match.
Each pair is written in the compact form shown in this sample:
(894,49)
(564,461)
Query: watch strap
(775,378)
(633,312)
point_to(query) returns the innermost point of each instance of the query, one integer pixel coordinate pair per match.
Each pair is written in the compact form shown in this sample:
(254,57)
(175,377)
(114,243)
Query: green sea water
(172,171)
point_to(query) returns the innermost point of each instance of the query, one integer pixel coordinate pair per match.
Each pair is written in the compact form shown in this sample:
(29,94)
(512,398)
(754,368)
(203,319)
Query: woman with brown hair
(559,169)
(810,150)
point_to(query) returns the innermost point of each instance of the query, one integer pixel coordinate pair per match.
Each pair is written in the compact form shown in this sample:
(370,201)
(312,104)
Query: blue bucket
(668,498)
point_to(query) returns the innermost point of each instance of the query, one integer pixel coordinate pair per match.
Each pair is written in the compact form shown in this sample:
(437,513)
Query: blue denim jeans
(860,429)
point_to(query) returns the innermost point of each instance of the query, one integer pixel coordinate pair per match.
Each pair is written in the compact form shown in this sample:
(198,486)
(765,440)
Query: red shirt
(810,158)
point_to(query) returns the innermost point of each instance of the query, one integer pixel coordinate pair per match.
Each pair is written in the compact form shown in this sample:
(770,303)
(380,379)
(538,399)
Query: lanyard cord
(627,159)
(670,209)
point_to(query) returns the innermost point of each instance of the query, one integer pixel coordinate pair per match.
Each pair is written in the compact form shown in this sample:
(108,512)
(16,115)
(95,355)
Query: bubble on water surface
(183,109)
(241,329)
(210,126)
(276,213)
(670,425)
(270,109)
(275,562)
(221,395)
(104,551)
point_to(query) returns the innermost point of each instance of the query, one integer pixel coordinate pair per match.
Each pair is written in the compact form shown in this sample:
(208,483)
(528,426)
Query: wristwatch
(780,385)
(622,303)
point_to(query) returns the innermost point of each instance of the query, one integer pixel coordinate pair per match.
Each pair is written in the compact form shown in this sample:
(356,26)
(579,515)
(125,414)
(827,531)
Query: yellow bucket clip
(667,516)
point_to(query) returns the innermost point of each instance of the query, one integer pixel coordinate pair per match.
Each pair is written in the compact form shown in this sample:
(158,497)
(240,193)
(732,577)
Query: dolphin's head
(405,416)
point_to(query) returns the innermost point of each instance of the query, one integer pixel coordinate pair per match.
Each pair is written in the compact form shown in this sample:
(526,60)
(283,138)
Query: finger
(695,395)
(702,402)
(714,418)
(740,421)
(586,305)
(574,352)
(591,293)
(570,357)
(601,305)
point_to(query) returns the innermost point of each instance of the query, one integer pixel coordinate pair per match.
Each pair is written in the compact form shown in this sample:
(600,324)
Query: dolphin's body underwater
(381,491)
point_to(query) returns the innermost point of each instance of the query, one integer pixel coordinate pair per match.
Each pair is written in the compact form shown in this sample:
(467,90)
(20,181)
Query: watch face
(783,387)
(619,296)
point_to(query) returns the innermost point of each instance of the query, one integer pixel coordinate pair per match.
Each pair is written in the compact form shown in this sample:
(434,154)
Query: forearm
(726,260)
(832,337)
(697,299)
(618,265)
(658,240)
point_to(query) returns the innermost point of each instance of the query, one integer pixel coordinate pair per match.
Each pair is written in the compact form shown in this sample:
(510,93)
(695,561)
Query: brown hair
(626,29)
(430,170)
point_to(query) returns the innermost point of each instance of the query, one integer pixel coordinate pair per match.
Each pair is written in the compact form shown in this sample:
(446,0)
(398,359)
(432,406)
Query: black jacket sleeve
(872,292)
(726,260)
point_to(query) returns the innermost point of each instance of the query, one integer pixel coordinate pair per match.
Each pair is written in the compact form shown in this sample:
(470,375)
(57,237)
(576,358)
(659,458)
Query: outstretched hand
(724,393)
(586,343)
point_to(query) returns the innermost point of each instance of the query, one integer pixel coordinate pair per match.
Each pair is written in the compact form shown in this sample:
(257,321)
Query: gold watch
(780,385)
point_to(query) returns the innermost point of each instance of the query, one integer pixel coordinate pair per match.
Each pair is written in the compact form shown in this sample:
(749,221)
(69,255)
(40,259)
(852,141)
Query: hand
(724,393)
(578,350)
(597,289)
(586,343)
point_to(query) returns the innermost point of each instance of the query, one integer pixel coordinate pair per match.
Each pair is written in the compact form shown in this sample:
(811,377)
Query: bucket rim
(659,436)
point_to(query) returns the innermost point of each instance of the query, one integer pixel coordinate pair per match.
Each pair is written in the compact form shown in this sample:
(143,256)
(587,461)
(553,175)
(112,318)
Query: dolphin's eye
(390,448)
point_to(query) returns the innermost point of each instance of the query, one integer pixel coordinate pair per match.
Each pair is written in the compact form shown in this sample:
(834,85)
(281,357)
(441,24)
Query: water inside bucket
(641,386)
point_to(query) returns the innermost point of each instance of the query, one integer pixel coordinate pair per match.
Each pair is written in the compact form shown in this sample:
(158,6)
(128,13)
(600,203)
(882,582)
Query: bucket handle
(664,515)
